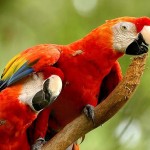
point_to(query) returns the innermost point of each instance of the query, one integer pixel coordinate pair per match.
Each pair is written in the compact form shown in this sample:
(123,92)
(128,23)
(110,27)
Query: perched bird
(88,68)
(20,104)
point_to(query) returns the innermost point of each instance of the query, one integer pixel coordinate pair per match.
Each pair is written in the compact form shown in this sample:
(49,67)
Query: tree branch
(104,111)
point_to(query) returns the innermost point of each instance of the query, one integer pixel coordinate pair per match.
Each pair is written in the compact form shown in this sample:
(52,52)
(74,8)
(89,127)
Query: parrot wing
(30,60)
(110,81)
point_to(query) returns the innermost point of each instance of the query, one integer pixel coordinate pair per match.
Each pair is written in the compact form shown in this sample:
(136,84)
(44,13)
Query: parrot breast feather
(110,81)
(30,60)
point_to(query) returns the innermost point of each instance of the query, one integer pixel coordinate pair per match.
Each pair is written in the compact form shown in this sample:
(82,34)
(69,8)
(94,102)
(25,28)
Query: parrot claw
(51,90)
(38,144)
(89,112)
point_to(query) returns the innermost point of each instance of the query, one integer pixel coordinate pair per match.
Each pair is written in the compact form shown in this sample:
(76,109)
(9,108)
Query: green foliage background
(24,23)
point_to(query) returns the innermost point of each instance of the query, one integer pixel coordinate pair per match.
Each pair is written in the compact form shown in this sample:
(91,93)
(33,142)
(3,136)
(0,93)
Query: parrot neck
(97,48)
(96,53)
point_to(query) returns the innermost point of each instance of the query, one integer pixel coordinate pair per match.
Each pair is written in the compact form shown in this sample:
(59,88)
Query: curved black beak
(137,47)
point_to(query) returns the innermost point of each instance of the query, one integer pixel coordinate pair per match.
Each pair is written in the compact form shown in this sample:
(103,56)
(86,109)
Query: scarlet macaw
(89,68)
(21,102)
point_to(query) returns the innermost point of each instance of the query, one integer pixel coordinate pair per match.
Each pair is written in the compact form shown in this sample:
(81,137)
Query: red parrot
(88,68)
(21,102)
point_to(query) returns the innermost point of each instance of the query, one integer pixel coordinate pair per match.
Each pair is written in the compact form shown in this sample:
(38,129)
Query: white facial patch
(146,34)
(124,34)
(33,84)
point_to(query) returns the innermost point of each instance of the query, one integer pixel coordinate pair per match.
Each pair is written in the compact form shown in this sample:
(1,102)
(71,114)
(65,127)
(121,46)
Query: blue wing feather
(22,72)
(22,68)
(3,84)
(18,76)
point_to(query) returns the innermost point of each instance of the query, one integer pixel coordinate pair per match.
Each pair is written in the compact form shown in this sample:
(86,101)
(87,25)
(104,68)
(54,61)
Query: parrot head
(38,92)
(126,35)
(131,35)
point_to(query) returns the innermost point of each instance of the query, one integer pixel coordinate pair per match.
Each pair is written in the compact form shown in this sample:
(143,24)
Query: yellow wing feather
(9,64)
(13,65)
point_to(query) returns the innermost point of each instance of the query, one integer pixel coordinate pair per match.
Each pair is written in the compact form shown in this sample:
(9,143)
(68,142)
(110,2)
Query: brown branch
(104,111)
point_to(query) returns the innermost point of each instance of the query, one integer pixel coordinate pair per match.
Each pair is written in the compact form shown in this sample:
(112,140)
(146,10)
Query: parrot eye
(123,28)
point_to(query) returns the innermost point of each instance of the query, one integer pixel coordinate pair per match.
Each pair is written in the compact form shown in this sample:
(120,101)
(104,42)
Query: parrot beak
(51,90)
(140,44)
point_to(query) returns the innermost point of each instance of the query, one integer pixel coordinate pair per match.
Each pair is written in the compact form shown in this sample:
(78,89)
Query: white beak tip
(146,34)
